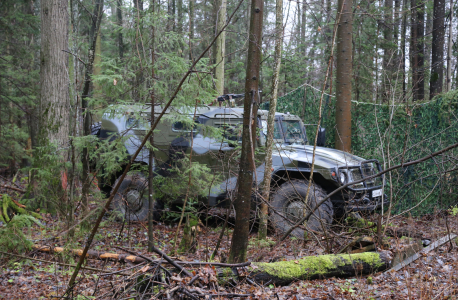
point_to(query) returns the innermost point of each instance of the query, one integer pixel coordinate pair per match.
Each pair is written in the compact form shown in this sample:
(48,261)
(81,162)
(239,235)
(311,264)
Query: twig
(12,188)
(61,264)
(76,57)
(118,272)
(171,261)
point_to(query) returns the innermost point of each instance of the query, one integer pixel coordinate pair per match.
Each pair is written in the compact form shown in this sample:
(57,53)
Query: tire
(131,201)
(288,200)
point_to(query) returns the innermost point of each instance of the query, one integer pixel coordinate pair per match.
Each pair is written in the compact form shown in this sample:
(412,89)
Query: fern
(12,237)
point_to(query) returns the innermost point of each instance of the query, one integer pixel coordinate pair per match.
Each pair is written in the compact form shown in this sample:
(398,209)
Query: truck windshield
(277,131)
(293,131)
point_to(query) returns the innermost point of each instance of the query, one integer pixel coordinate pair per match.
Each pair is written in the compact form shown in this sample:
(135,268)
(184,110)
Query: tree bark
(220,46)
(93,33)
(263,217)
(191,26)
(151,140)
(387,50)
(417,49)
(344,75)
(449,50)
(54,103)
(239,241)
(120,41)
(403,49)
(437,64)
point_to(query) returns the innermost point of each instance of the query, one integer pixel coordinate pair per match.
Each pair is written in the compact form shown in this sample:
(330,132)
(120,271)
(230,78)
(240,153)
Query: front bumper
(366,204)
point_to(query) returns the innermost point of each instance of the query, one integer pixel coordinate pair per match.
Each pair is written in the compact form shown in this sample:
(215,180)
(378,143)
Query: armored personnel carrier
(292,158)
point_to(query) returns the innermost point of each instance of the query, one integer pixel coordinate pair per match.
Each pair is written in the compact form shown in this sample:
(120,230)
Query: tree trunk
(387,51)
(239,242)
(93,33)
(191,26)
(417,49)
(449,50)
(54,96)
(120,42)
(403,50)
(344,75)
(180,16)
(304,26)
(437,64)
(151,140)
(220,46)
(136,91)
(263,217)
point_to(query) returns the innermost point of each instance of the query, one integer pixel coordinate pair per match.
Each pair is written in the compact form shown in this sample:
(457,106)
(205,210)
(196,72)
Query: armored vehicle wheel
(289,201)
(131,200)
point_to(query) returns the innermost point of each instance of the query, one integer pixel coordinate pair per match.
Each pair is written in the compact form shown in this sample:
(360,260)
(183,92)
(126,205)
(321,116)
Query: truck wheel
(131,200)
(288,200)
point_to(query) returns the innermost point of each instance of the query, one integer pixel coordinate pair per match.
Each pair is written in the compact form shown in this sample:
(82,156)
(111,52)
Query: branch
(76,57)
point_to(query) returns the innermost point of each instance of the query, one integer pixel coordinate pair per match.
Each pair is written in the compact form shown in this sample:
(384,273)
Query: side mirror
(321,140)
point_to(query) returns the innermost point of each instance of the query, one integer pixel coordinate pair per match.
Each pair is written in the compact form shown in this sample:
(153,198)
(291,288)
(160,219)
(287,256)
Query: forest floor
(432,276)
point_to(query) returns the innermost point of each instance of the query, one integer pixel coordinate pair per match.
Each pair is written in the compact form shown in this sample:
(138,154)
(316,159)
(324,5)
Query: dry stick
(12,188)
(63,264)
(170,261)
(115,189)
(305,218)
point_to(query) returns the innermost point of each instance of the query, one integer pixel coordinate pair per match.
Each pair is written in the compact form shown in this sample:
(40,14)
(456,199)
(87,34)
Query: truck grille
(367,169)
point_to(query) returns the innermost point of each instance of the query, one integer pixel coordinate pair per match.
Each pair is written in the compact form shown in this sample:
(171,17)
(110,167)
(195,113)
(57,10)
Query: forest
(247,149)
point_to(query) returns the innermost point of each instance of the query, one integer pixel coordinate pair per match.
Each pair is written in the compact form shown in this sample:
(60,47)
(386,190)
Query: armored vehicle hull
(292,158)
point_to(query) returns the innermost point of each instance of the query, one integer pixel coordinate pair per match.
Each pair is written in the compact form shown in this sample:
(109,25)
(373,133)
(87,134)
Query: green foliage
(12,237)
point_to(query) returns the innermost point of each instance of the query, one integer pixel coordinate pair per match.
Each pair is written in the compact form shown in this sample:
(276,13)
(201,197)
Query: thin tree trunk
(304,26)
(387,50)
(180,16)
(263,217)
(220,46)
(344,75)
(403,49)
(120,41)
(437,64)
(136,91)
(417,49)
(95,27)
(151,140)
(239,242)
(449,50)
(191,26)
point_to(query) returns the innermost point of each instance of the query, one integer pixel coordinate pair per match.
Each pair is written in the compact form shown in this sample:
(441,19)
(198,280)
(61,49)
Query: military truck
(291,164)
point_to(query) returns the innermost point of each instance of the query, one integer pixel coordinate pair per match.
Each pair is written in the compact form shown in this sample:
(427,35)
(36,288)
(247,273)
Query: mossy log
(314,267)
(7,202)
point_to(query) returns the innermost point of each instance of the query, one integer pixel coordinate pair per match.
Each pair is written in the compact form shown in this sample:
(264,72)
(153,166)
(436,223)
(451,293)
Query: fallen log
(431,247)
(92,254)
(314,267)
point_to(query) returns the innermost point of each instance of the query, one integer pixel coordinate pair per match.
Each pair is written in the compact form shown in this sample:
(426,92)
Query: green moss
(316,265)
(226,275)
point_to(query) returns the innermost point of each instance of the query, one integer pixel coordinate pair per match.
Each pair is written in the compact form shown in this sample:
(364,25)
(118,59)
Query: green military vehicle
(292,159)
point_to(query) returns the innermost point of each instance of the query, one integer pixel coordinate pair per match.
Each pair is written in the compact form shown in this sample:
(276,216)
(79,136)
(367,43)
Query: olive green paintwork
(292,157)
